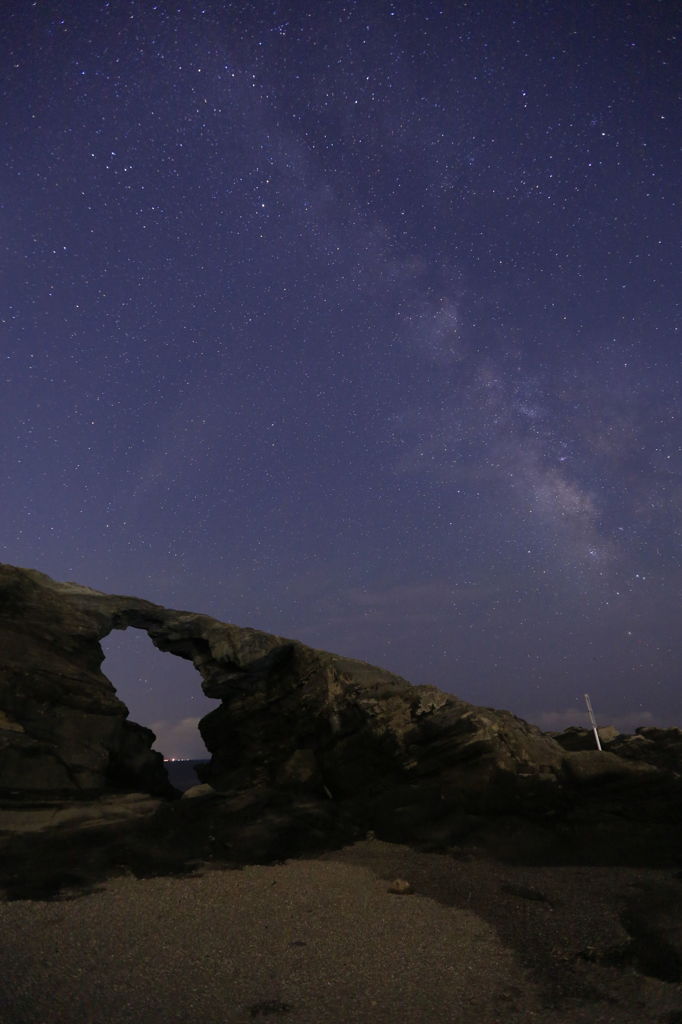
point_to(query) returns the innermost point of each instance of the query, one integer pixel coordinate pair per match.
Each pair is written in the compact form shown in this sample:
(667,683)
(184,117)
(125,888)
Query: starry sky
(356,322)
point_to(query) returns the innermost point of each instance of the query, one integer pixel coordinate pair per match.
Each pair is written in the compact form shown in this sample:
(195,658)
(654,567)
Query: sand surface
(322,941)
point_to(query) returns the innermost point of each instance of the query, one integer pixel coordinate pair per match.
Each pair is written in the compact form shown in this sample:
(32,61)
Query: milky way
(358,323)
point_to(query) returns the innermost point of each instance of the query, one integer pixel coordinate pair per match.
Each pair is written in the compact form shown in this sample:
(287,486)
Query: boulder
(200,792)
(597,766)
(577,738)
(659,747)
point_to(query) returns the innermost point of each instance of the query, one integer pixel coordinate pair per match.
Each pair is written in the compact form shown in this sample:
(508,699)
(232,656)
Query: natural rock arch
(290,718)
(300,735)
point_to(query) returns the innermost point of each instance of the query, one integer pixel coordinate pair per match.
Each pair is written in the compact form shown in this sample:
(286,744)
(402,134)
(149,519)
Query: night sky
(356,322)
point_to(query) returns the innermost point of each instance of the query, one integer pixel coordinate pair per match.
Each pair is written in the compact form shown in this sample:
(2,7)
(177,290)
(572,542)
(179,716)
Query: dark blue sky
(358,323)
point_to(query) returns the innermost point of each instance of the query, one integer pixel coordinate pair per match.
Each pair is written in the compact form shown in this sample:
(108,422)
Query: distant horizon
(174,759)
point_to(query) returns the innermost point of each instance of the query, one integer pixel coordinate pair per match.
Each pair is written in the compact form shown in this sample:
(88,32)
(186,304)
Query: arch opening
(162,692)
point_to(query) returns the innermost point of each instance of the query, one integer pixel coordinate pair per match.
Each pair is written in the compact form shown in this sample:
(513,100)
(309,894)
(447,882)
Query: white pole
(592,720)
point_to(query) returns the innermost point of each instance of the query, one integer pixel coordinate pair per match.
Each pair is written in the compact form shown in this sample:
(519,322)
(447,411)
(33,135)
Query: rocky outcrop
(291,718)
(577,738)
(304,743)
(661,748)
(649,745)
(63,730)
(308,721)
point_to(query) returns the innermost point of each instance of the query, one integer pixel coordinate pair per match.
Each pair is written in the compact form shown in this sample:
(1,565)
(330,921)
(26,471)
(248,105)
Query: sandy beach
(323,941)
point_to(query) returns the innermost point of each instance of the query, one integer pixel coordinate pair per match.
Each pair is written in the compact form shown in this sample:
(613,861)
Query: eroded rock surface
(63,730)
(290,718)
(649,745)
(304,743)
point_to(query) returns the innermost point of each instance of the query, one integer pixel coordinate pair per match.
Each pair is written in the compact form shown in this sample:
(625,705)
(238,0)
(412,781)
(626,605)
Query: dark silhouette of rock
(590,766)
(291,718)
(577,738)
(661,748)
(63,729)
(308,748)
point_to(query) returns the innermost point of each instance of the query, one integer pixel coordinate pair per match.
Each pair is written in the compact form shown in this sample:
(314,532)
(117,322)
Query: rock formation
(661,748)
(291,717)
(300,734)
